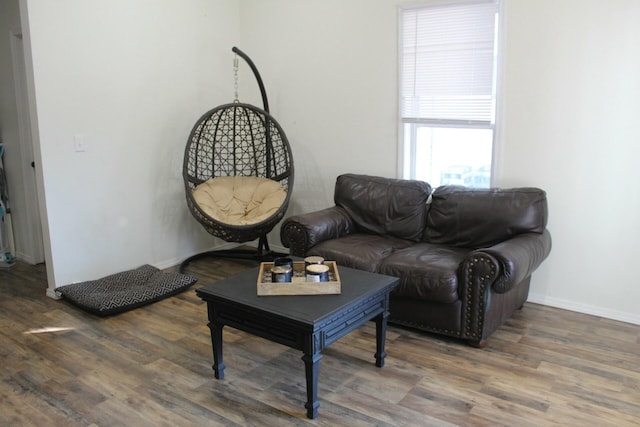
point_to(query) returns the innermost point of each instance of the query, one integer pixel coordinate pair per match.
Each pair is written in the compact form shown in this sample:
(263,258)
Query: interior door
(28,239)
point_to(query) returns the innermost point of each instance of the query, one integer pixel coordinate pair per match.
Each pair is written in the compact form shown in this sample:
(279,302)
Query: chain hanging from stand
(235,78)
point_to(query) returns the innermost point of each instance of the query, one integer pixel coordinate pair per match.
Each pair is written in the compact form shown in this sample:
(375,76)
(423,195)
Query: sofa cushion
(427,272)
(475,218)
(361,251)
(384,206)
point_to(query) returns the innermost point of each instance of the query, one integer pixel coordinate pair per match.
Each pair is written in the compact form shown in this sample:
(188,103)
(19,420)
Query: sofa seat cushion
(359,250)
(426,271)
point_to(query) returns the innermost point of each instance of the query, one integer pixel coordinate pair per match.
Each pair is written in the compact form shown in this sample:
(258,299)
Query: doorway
(28,229)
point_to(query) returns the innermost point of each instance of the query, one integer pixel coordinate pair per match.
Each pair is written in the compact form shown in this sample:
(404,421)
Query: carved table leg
(381,335)
(216,341)
(311,371)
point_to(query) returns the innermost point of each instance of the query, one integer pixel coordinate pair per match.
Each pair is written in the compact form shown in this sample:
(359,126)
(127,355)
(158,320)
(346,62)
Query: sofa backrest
(384,206)
(475,218)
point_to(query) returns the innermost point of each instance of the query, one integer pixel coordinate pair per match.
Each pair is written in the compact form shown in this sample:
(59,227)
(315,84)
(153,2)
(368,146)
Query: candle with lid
(317,273)
(313,260)
(281,273)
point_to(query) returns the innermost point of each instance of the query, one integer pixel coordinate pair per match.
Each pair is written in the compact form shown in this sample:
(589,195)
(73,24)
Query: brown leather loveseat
(464,256)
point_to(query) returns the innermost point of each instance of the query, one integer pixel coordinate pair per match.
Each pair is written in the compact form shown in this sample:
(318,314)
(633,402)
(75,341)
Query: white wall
(131,78)
(571,95)
(330,70)
(571,126)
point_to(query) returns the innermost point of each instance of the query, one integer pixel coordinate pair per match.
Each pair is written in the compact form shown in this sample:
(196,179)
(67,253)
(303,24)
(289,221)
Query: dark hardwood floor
(152,367)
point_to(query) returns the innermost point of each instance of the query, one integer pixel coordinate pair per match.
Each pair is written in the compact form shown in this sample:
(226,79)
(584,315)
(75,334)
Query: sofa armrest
(301,232)
(497,269)
(518,257)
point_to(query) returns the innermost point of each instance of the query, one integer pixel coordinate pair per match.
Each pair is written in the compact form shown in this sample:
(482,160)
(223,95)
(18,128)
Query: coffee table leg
(216,341)
(381,336)
(311,370)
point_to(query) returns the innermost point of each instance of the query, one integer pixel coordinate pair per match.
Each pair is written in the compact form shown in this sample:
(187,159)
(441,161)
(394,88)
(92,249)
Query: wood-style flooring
(60,366)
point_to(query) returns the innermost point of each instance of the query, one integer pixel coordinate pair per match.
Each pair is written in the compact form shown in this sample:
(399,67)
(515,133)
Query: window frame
(406,150)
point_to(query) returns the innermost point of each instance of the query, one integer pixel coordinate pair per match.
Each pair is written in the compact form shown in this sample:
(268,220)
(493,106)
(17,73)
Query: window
(448,56)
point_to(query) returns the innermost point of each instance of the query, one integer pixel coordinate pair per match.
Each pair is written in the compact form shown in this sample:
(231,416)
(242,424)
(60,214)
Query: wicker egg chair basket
(238,140)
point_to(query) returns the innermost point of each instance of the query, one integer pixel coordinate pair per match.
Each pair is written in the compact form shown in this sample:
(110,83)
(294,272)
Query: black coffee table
(305,322)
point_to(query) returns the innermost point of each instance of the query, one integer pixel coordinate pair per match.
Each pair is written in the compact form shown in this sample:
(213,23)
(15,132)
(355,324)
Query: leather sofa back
(384,206)
(474,218)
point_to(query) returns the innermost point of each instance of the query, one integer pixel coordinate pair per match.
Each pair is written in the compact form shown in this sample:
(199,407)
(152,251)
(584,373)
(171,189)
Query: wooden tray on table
(298,284)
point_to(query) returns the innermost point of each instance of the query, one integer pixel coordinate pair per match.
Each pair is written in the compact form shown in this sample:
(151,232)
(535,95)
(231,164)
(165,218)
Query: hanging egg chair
(238,173)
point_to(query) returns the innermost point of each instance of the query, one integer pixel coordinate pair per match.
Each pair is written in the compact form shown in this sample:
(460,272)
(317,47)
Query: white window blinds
(448,57)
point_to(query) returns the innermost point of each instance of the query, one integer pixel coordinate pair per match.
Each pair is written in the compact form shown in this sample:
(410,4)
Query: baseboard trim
(177,261)
(51,293)
(25,258)
(621,316)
